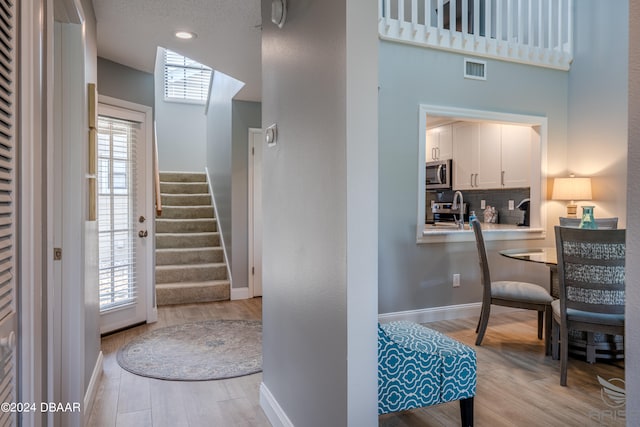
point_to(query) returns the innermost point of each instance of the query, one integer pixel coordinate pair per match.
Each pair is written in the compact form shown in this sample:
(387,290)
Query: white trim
(240,293)
(215,210)
(143,113)
(254,258)
(92,388)
(435,314)
(274,412)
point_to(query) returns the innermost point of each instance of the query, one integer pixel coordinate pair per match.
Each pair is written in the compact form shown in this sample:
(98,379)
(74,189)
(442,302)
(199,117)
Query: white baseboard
(275,414)
(240,293)
(448,312)
(92,389)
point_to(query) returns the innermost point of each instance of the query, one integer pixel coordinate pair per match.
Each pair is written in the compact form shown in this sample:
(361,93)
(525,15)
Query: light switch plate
(511,205)
(271,135)
(483,204)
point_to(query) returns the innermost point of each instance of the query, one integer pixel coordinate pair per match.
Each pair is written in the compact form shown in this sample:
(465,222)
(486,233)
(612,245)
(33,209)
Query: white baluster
(427,13)
(387,14)
(509,20)
(414,17)
(499,16)
(401,20)
(569,49)
(476,19)
(550,26)
(540,37)
(487,21)
(465,19)
(560,25)
(440,15)
(452,16)
(520,24)
(530,13)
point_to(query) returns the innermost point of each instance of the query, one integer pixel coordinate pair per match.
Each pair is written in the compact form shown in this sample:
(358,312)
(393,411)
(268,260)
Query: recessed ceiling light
(185,35)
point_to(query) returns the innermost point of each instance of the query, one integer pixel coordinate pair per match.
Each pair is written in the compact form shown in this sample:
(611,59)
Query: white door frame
(146,195)
(254,214)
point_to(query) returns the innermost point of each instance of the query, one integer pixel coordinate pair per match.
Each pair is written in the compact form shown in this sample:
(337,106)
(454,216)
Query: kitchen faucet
(454,205)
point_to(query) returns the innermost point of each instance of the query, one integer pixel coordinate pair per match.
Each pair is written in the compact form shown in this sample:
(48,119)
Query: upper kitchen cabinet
(516,156)
(439,143)
(491,156)
(476,156)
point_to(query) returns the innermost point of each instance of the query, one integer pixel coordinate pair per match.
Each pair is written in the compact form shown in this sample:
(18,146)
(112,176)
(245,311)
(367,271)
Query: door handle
(476,180)
(142,219)
(143,233)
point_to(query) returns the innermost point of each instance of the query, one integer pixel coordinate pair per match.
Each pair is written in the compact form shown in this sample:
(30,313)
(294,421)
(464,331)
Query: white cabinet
(439,143)
(490,156)
(516,156)
(476,156)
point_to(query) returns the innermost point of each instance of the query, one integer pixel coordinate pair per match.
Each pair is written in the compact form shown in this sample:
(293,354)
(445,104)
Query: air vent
(474,69)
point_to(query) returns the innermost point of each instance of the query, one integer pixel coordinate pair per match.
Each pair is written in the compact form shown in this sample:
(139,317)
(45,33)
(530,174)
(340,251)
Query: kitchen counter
(449,233)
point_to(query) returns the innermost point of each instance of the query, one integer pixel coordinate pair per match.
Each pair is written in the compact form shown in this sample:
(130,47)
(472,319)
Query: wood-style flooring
(124,399)
(517,384)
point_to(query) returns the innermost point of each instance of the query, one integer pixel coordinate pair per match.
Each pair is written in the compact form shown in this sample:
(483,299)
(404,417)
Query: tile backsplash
(496,198)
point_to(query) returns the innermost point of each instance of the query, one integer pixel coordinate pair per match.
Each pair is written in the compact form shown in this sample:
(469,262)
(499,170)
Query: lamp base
(572,211)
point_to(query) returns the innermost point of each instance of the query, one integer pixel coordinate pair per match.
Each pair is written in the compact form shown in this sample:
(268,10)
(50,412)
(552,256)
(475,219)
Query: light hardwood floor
(124,399)
(517,384)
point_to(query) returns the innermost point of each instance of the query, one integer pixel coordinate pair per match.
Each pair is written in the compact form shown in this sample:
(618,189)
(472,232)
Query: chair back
(602,223)
(591,269)
(485,276)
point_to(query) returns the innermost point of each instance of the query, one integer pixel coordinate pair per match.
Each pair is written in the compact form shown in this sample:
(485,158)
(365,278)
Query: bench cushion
(418,366)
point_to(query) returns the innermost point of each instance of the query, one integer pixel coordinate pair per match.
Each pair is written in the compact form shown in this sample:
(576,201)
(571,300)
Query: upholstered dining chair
(591,269)
(510,293)
(602,223)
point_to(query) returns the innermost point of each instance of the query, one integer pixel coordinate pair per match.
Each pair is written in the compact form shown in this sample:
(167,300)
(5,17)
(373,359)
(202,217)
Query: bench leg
(466,412)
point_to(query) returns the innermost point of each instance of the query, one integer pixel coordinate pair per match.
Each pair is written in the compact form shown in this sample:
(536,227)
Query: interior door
(124,241)
(8,201)
(255,212)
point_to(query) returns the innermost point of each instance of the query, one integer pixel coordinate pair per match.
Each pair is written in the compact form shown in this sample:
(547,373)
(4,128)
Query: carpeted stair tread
(190,272)
(182,177)
(187,240)
(186,293)
(185,225)
(183,187)
(185,199)
(186,212)
(169,256)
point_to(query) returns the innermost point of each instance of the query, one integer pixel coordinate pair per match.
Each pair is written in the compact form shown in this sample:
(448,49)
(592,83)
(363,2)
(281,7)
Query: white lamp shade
(571,189)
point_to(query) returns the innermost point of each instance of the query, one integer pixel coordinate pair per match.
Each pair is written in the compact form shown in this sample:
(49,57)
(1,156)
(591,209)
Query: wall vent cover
(474,69)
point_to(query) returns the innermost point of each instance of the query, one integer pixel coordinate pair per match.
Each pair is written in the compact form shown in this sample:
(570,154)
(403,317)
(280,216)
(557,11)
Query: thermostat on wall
(271,135)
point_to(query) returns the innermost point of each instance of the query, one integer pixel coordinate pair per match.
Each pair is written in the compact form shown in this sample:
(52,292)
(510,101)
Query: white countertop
(439,233)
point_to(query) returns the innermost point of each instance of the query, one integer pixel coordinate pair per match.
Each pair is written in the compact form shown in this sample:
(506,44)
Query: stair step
(183,177)
(177,212)
(187,240)
(195,292)
(191,273)
(184,187)
(185,199)
(196,225)
(189,256)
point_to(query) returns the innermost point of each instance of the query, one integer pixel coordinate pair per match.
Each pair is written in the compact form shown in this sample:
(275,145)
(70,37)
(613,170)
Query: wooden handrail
(156,172)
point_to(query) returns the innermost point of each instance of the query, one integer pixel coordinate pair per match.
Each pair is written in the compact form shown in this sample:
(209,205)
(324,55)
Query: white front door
(124,224)
(255,212)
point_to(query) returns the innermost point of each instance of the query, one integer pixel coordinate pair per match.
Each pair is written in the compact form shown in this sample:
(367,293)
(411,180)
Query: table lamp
(571,189)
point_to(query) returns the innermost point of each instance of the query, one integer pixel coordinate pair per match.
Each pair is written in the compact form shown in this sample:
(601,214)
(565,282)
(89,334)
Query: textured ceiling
(129,31)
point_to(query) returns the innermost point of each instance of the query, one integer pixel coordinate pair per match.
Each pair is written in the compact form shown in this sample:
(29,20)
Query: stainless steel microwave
(439,175)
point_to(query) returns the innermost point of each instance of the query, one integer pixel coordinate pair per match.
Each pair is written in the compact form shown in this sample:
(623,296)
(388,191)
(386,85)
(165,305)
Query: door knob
(142,219)
(143,233)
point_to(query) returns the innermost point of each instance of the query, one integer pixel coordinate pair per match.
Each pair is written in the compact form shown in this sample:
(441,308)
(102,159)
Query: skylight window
(185,80)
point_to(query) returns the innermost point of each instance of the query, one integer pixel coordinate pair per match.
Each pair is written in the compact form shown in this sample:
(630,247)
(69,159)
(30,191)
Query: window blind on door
(7,204)
(116,212)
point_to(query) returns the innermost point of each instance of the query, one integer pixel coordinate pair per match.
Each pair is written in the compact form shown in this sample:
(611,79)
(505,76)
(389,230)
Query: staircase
(190,265)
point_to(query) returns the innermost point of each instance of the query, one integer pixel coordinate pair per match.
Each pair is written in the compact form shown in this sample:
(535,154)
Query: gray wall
(122,82)
(598,104)
(415,276)
(181,129)
(244,115)
(219,138)
(319,212)
(632,337)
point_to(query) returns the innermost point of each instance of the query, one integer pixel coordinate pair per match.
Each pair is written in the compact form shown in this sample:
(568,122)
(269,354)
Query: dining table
(607,346)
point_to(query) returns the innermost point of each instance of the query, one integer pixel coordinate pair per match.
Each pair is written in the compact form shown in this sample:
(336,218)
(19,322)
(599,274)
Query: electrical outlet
(456,280)
(483,204)
(511,205)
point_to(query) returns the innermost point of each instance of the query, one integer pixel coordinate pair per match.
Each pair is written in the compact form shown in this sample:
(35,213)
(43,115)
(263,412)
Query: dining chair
(602,223)
(508,293)
(591,269)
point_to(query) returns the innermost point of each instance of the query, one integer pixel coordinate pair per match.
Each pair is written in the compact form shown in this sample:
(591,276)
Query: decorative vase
(588,221)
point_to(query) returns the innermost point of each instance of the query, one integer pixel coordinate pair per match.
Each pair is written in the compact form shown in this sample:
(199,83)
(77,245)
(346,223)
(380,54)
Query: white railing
(535,32)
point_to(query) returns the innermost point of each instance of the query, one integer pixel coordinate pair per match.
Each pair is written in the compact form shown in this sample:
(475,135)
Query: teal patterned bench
(418,367)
